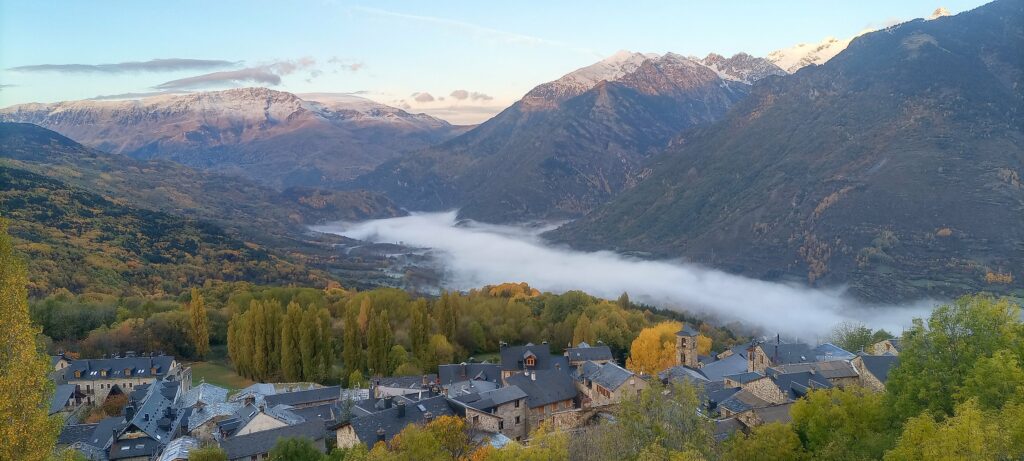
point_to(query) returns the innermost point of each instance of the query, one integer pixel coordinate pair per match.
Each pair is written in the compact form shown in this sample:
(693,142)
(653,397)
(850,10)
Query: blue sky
(389,50)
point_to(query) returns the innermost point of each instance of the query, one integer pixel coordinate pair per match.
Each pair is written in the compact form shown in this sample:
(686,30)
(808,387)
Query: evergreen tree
(623,301)
(200,324)
(447,316)
(27,432)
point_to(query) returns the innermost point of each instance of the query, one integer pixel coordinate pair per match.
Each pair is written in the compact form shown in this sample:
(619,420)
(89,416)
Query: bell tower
(686,347)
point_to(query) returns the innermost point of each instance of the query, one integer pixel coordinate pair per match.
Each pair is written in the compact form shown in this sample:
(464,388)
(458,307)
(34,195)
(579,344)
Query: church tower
(686,347)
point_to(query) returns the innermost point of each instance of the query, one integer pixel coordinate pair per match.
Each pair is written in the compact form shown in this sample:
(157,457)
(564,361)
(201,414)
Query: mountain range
(276,137)
(569,145)
(894,168)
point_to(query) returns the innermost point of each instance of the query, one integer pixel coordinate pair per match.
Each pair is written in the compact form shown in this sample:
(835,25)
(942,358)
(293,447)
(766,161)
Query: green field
(217,374)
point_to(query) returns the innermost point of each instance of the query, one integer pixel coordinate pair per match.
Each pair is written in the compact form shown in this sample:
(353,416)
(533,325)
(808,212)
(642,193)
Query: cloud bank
(268,74)
(153,65)
(475,254)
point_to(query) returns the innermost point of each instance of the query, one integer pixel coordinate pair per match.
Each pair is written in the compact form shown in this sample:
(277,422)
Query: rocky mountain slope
(894,168)
(277,137)
(571,144)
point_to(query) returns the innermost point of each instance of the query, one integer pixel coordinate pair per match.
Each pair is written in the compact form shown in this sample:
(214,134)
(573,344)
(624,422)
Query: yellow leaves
(654,349)
(998,277)
(703,345)
(513,291)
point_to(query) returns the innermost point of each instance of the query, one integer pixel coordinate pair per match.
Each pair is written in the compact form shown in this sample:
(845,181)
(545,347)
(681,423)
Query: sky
(458,60)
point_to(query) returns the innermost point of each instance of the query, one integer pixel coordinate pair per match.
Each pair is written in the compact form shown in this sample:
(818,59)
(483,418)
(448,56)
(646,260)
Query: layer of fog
(475,254)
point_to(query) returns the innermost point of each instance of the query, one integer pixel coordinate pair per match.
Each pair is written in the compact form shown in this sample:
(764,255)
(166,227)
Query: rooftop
(880,365)
(543,387)
(392,423)
(513,358)
(585,352)
(458,372)
(609,375)
(256,443)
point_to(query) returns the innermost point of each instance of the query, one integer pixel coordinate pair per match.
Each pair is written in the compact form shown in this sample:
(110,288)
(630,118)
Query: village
(167,414)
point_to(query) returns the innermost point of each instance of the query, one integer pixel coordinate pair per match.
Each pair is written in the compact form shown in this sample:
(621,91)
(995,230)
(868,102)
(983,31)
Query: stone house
(413,386)
(518,359)
(503,410)
(98,378)
(547,392)
(762,355)
(840,373)
(257,446)
(890,346)
(382,425)
(874,369)
(607,384)
(583,352)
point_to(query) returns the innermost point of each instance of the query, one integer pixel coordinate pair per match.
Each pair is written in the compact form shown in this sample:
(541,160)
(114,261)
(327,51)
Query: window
(501,425)
(476,419)
(531,361)
(517,404)
(517,423)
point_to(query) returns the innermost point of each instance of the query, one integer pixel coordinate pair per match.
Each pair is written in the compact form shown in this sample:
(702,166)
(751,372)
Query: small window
(517,403)
(501,425)
(517,422)
(530,361)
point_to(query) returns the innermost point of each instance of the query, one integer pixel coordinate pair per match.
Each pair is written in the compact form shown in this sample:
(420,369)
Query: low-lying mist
(475,254)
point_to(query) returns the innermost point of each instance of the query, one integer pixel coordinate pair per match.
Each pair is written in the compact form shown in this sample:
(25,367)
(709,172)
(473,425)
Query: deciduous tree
(654,349)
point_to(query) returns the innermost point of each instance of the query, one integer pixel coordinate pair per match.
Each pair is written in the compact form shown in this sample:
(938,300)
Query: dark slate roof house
(782,353)
(305,398)
(487,400)
(687,330)
(519,358)
(609,376)
(385,424)
(116,368)
(828,352)
(879,365)
(584,352)
(544,387)
(458,372)
(260,443)
(61,395)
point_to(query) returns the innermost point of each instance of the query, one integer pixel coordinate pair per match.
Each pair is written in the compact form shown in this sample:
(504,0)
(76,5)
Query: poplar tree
(584,331)
(352,345)
(200,324)
(27,432)
(291,357)
(420,330)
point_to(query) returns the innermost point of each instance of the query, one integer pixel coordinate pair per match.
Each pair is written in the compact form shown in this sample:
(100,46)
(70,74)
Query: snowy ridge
(802,55)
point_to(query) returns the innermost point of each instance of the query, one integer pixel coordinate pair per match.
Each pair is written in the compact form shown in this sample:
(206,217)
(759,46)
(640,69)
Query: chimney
(380,434)
(129,412)
(401,409)
(533,376)
(387,402)
(426,379)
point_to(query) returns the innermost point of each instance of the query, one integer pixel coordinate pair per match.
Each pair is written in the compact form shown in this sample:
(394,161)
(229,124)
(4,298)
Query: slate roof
(256,443)
(258,391)
(513,358)
(745,377)
(879,365)
(588,353)
(609,375)
(140,367)
(366,426)
(470,387)
(329,413)
(243,415)
(774,413)
(687,331)
(485,401)
(414,382)
(200,416)
(133,448)
(682,373)
(458,372)
(206,393)
(550,386)
(829,370)
(179,449)
(61,395)
(796,385)
(726,427)
(743,400)
(305,397)
(157,416)
(104,431)
(828,352)
(76,433)
(782,353)
(731,365)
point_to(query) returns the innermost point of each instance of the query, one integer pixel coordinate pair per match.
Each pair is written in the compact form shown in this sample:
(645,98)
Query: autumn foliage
(654,348)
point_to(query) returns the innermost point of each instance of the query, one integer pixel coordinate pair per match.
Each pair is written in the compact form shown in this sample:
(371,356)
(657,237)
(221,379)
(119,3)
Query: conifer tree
(27,432)
(200,324)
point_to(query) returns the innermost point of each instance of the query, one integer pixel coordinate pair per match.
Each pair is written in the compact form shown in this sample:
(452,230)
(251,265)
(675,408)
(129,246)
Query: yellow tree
(654,349)
(27,432)
(703,345)
(200,323)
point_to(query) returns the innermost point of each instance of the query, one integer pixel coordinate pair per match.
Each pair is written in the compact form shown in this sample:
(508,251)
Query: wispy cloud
(153,65)
(146,94)
(2,86)
(269,74)
(463,95)
(423,97)
(477,30)
(346,64)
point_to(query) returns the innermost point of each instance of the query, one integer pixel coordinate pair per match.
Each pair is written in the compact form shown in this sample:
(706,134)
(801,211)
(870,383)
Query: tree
(584,331)
(200,324)
(852,336)
(291,354)
(295,449)
(209,453)
(939,354)
(308,339)
(851,423)
(419,332)
(397,357)
(27,432)
(704,344)
(768,442)
(450,432)
(440,352)
(379,342)
(356,380)
(624,302)
(446,314)
(969,434)
(654,349)
(994,380)
(352,345)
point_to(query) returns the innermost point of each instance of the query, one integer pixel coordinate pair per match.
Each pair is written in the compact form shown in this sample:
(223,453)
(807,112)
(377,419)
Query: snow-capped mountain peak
(741,67)
(801,55)
(580,80)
